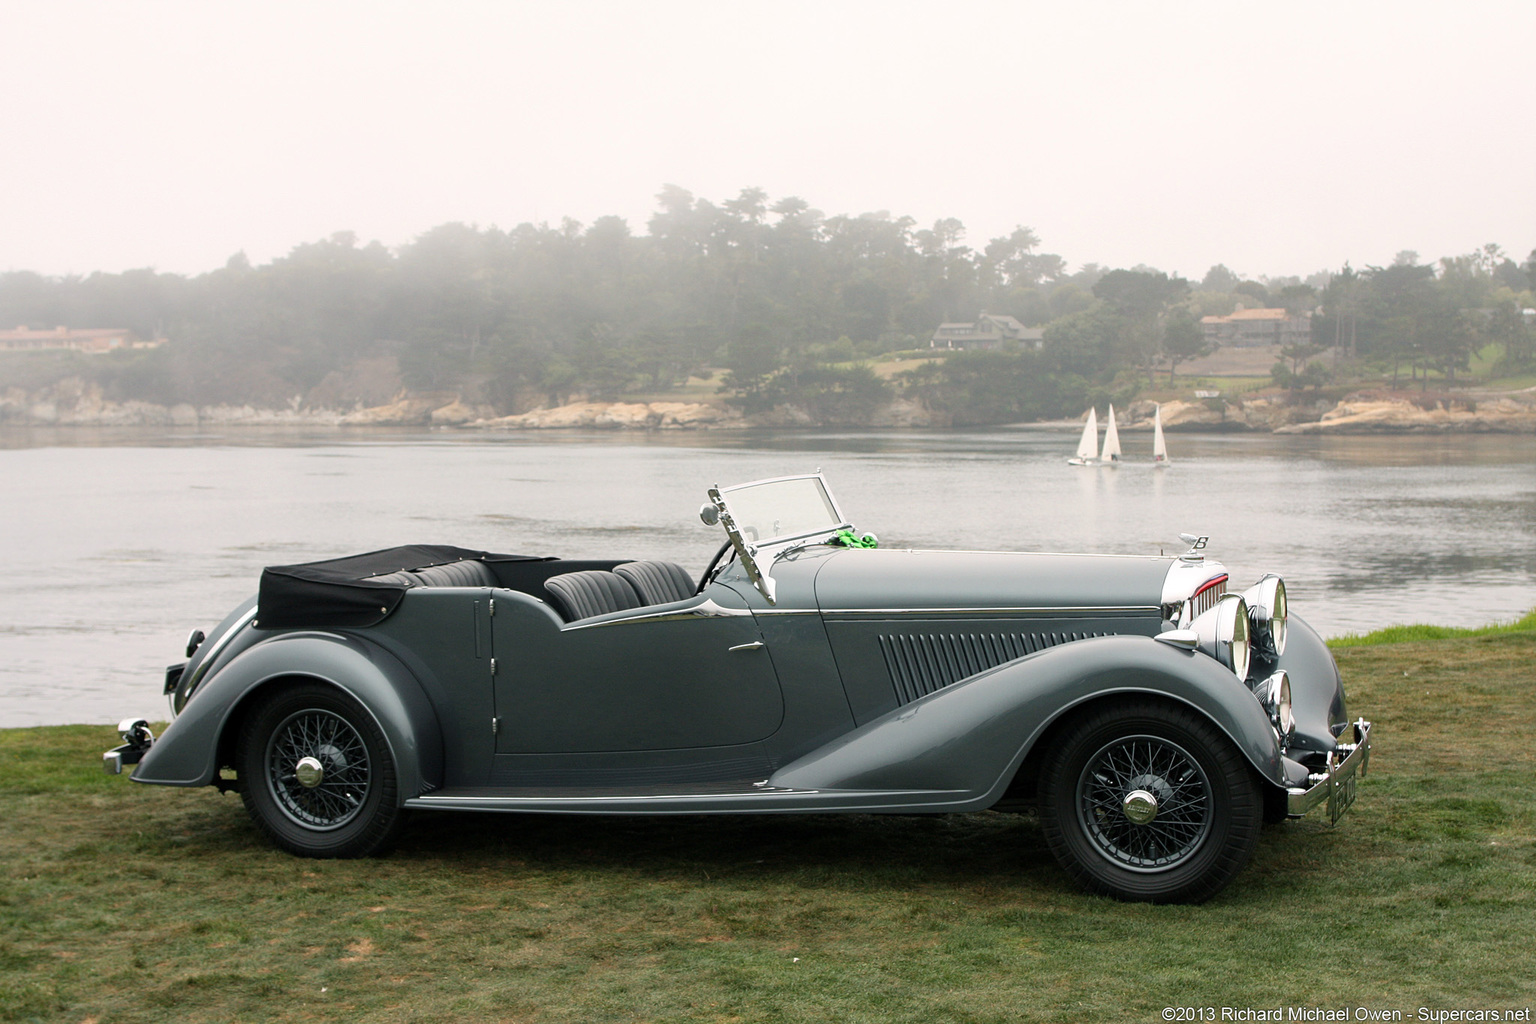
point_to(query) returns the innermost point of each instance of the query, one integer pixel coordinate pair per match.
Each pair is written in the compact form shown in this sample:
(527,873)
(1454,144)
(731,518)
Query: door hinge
(495,726)
(493,666)
(493,607)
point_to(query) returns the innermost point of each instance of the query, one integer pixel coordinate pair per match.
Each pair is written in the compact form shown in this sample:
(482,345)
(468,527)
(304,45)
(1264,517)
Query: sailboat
(1111,453)
(1088,446)
(1159,446)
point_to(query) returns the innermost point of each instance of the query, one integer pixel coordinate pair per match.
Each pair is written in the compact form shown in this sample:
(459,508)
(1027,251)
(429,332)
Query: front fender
(969,738)
(188,753)
(1317,692)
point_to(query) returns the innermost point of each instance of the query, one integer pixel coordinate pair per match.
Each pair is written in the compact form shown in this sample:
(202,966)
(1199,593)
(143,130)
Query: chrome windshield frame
(749,552)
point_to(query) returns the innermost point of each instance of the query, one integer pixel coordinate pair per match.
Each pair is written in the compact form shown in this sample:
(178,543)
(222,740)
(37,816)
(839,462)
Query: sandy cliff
(1387,412)
(618,416)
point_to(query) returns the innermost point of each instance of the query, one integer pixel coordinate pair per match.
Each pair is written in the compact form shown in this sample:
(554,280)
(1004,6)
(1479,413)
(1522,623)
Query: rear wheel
(317,774)
(1150,802)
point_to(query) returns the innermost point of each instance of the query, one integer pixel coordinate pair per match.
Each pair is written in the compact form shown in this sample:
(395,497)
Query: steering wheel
(713,564)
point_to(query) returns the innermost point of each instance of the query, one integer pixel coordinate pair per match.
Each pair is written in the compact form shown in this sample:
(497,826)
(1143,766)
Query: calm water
(119,542)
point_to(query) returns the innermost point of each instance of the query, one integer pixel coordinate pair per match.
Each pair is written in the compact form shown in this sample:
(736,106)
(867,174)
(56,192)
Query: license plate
(1341,797)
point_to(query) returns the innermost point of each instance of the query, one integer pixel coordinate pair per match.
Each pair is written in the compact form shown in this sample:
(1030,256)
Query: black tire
(351,809)
(1202,801)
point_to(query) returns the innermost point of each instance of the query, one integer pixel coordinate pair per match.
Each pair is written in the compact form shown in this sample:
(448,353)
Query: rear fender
(188,753)
(969,738)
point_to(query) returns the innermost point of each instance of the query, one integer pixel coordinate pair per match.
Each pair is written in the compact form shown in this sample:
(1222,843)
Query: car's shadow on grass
(850,851)
(878,849)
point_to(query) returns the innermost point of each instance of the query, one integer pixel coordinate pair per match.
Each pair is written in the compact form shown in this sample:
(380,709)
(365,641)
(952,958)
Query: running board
(753,798)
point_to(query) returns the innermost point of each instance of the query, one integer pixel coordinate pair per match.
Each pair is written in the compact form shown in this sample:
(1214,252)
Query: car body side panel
(688,675)
(442,635)
(187,754)
(887,661)
(816,708)
(970,737)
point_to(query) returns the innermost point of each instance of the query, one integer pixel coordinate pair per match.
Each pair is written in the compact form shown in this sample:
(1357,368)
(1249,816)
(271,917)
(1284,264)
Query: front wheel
(316,774)
(1150,802)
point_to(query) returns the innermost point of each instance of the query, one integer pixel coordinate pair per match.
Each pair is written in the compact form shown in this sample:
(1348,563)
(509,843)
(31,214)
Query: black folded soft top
(344,593)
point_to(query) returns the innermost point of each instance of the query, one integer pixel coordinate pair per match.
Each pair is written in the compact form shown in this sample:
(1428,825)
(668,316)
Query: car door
(692,674)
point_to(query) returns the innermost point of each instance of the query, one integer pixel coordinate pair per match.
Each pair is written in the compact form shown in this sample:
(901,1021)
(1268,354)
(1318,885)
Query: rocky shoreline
(72,403)
(1366,412)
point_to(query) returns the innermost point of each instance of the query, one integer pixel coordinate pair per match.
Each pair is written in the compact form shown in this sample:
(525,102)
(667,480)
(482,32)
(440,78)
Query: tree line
(788,303)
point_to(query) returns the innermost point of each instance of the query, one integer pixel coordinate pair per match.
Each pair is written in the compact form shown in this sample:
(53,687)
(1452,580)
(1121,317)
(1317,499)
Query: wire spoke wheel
(317,774)
(331,796)
(1163,777)
(1143,800)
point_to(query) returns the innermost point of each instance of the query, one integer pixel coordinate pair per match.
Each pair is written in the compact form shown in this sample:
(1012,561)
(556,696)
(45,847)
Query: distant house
(93,340)
(987,332)
(1257,328)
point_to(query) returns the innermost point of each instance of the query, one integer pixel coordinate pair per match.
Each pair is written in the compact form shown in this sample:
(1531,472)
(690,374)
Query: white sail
(1111,440)
(1088,445)
(1159,446)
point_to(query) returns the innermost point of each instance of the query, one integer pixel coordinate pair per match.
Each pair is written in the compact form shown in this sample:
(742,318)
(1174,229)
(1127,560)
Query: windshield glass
(787,509)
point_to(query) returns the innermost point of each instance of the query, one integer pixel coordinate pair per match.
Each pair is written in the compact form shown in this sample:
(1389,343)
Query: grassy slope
(1408,634)
(128,903)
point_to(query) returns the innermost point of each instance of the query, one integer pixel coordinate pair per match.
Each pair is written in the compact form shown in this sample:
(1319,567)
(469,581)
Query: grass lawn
(122,903)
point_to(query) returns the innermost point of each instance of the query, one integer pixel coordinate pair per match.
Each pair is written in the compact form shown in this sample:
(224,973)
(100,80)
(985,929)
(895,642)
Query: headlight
(1268,612)
(1223,632)
(1275,694)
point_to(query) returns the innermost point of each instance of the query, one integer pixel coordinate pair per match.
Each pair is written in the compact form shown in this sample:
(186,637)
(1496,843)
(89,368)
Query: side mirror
(708,514)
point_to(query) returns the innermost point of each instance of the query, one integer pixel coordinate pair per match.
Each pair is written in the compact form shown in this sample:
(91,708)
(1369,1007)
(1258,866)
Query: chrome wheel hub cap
(309,771)
(1140,807)
(317,769)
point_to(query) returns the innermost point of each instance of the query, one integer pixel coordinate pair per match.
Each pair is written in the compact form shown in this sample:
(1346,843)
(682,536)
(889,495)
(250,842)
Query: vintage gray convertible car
(1153,719)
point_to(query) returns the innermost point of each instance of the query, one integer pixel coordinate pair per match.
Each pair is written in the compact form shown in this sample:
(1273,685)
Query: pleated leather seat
(467,573)
(580,595)
(657,582)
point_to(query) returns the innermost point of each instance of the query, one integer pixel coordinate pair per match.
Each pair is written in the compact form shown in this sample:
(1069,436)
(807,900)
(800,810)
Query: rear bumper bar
(137,739)
(1335,785)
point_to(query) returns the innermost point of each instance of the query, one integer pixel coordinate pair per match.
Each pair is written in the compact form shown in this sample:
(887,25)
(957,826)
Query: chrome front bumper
(1336,784)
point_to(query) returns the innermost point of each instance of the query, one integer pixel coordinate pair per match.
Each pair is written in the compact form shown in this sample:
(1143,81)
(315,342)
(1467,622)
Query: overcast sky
(1277,138)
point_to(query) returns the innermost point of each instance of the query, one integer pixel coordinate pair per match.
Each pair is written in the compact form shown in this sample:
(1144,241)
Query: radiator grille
(1208,598)
(923,663)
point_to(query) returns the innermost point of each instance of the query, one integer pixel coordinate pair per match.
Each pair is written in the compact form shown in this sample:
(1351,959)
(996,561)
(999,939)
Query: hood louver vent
(924,663)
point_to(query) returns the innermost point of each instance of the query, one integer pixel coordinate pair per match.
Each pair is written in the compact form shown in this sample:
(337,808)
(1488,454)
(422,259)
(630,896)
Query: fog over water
(1275,139)
(122,541)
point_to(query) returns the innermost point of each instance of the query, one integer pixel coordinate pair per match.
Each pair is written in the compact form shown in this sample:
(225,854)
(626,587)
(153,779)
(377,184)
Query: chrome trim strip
(519,802)
(707,610)
(1336,785)
(1030,554)
(1082,611)
(774,798)
(189,685)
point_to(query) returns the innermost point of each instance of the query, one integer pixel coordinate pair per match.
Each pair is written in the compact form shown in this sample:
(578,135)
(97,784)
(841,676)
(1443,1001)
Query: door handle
(755,645)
